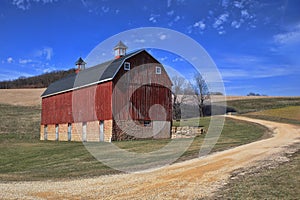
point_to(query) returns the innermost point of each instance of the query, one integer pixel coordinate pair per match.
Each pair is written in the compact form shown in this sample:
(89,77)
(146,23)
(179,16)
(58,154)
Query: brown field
(32,97)
(21,97)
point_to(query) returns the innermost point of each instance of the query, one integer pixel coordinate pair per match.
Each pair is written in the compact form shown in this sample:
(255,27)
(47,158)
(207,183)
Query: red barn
(128,97)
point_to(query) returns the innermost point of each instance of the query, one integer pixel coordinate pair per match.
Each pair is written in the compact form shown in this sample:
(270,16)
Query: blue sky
(254,44)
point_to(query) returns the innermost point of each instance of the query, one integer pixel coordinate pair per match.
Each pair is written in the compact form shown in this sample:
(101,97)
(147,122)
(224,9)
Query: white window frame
(127,66)
(69,131)
(45,132)
(157,70)
(56,132)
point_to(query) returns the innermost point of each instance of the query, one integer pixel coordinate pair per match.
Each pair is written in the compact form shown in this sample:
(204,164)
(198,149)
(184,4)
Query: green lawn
(289,114)
(24,157)
(254,105)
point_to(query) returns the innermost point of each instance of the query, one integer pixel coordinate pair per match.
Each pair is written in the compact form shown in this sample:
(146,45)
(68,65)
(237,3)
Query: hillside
(40,81)
(21,97)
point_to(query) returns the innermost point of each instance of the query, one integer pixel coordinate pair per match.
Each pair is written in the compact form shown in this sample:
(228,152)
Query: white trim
(76,88)
(128,66)
(157,68)
(124,61)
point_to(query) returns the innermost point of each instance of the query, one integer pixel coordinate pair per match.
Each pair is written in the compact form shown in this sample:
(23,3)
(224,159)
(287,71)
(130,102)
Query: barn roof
(90,76)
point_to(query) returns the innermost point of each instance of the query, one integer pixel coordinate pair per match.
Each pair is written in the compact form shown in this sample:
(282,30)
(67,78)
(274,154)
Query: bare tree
(178,90)
(201,92)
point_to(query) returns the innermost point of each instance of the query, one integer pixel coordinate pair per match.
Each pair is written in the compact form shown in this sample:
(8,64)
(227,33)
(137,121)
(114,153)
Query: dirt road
(187,180)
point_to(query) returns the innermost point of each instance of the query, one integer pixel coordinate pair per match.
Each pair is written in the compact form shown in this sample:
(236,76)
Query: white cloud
(139,41)
(170,13)
(10,60)
(46,52)
(25,61)
(178,59)
(220,20)
(26,4)
(225,3)
(50,69)
(258,71)
(162,37)
(245,14)
(177,18)
(249,66)
(105,9)
(153,18)
(238,4)
(236,24)
(221,32)
(199,24)
(163,58)
(290,37)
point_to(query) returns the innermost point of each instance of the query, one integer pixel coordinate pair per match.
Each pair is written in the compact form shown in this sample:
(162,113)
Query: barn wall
(108,130)
(63,132)
(93,131)
(123,130)
(51,132)
(76,132)
(42,132)
(136,91)
(86,104)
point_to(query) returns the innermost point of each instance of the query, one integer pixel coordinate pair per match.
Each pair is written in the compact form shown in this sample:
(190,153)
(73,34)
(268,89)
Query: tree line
(192,98)
(40,81)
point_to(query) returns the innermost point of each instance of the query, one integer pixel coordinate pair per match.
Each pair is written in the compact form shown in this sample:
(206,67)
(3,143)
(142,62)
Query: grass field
(255,105)
(289,114)
(24,157)
(281,182)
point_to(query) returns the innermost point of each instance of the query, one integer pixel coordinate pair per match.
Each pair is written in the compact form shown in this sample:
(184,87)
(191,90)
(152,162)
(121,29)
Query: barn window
(56,132)
(158,70)
(147,123)
(127,66)
(69,131)
(45,132)
(101,127)
(84,131)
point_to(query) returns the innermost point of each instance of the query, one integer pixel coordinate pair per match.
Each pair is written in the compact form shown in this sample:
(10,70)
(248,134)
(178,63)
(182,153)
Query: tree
(201,93)
(178,94)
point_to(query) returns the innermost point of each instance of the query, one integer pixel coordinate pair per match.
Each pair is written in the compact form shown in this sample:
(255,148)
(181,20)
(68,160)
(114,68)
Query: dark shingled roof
(96,74)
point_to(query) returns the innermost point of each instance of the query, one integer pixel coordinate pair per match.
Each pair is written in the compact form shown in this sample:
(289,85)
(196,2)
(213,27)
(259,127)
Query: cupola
(120,50)
(80,65)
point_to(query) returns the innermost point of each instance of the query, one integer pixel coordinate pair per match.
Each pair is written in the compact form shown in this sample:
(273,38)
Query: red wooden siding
(86,104)
(137,90)
(140,88)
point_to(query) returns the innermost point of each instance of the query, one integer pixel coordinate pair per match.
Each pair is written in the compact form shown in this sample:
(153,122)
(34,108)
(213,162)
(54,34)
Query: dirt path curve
(186,180)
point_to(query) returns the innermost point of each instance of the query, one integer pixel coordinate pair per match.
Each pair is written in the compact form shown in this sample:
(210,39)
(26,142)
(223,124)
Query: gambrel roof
(100,73)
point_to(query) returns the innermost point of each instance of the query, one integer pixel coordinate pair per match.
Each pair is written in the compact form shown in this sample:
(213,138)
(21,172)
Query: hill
(21,97)
(40,81)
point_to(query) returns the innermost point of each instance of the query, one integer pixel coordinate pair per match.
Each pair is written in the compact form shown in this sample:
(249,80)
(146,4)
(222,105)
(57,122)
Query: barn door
(101,125)
(84,131)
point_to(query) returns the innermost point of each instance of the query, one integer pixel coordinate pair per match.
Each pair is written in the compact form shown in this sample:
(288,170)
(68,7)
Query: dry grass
(21,97)
(290,112)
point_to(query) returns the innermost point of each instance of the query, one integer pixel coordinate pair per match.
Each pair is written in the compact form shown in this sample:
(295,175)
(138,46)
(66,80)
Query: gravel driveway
(187,180)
